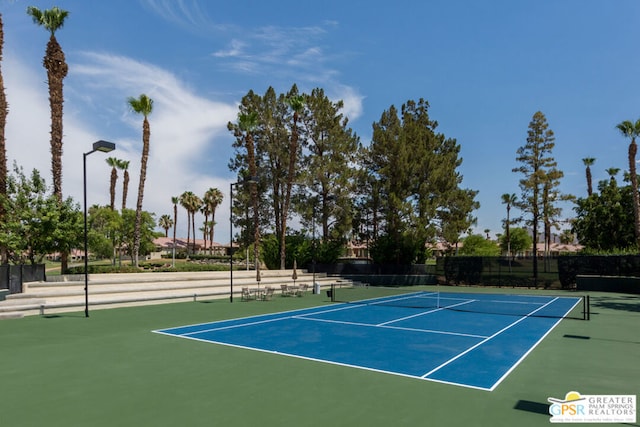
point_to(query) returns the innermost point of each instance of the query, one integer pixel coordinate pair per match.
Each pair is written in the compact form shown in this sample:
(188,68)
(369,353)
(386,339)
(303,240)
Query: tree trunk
(112,188)
(293,150)
(146,133)
(3,152)
(54,63)
(633,149)
(125,189)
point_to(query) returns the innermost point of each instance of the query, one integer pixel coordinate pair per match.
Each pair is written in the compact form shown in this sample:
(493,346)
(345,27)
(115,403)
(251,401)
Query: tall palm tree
(185,202)
(248,124)
(212,199)
(588,162)
(631,130)
(296,103)
(204,210)
(166,223)
(141,105)
(192,204)
(175,200)
(113,162)
(57,68)
(54,62)
(124,165)
(195,205)
(4,111)
(612,174)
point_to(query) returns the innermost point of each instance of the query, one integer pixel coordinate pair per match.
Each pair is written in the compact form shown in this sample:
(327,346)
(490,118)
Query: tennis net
(574,307)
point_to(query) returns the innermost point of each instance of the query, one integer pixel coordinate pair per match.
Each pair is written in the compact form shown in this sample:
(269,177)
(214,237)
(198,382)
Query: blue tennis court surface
(450,342)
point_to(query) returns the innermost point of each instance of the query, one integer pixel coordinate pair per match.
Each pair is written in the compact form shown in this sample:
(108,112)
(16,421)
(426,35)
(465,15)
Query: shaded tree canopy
(602,219)
(414,170)
(36,223)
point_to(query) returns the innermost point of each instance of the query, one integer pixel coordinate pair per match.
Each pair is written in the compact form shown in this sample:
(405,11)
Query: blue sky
(485,68)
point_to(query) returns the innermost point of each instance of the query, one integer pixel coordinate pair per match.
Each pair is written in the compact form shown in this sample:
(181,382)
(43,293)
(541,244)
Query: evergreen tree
(145,233)
(302,153)
(36,223)
(332,149)
(602,219)
(478,245)
(415,169)
(245,131)
(104,233)
(541,179)
(519,241)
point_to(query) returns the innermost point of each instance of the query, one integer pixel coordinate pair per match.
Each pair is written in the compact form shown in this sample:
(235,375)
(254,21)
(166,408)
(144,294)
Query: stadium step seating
(129,289)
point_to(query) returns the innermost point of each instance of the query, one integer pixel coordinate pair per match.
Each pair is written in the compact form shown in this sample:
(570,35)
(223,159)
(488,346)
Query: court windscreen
(574,307)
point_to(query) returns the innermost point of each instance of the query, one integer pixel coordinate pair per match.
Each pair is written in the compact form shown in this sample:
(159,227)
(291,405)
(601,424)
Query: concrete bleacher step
(16,308)
(12,315)
(116,290)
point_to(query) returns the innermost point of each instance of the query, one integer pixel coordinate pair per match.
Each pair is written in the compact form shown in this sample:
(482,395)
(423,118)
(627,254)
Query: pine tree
(541,179)
(416,170)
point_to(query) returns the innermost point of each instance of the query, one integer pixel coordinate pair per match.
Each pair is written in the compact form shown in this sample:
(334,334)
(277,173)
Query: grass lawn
(111,370)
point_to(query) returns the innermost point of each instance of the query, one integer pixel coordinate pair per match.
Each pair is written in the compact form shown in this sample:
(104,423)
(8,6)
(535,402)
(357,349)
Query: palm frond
(141,105)
(51,19)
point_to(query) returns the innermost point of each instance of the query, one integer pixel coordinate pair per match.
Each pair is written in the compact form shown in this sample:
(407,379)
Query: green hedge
(597,265)
(148,267)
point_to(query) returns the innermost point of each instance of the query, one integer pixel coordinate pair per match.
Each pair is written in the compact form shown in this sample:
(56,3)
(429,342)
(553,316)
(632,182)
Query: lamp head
(104,146)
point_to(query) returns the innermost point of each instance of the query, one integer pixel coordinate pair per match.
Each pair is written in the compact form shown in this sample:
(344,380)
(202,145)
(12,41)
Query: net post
(333,292)
(587,307)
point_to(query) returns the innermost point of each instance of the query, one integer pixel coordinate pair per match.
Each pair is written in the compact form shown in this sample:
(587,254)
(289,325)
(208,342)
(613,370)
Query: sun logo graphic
(577,408)
(572,405)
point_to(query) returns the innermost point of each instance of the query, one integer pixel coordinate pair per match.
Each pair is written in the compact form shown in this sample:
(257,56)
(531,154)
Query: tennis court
(465,339)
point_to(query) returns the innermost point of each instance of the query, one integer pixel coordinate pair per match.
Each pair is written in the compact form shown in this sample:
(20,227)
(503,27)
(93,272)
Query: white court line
(305,317)
(346,307)
(437,368)
(276,319)
(398,328)
(425,312)
(238,325)
(393,298)
(164,330)
(531,349)
(331,362)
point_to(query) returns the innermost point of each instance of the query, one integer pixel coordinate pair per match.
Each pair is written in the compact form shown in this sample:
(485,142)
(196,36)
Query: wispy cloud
(284,54)
(352,100)
(190,145)
(235,50)
(186,14)
(186,129)
(275,46)
(292,54)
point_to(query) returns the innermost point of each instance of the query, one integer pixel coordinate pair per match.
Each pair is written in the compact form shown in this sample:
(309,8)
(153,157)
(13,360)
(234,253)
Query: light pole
(250,179)
(105,147)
